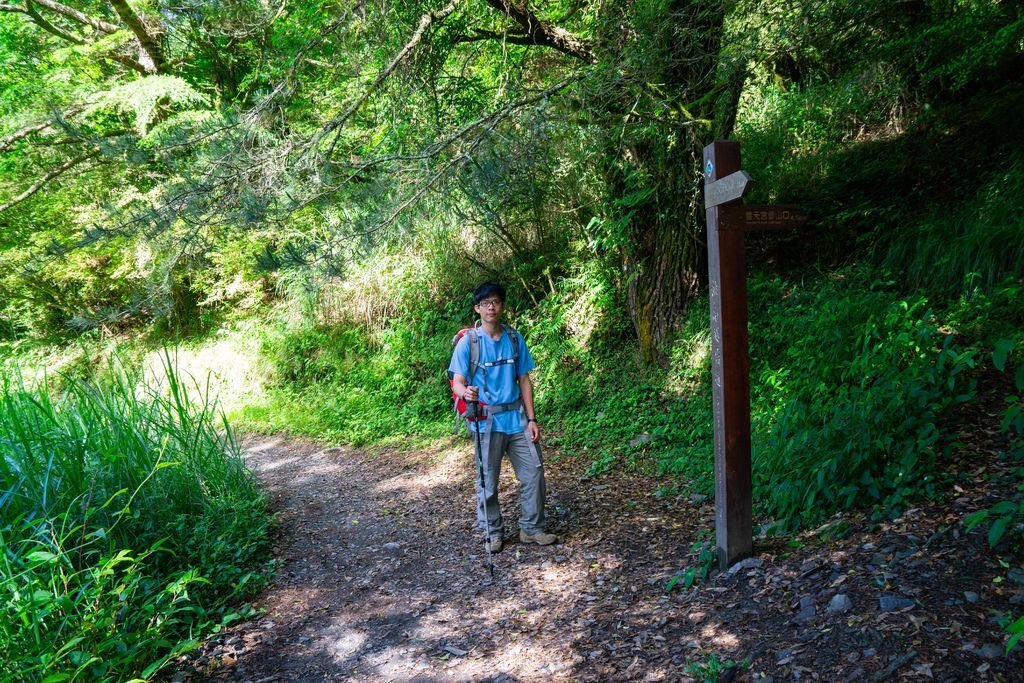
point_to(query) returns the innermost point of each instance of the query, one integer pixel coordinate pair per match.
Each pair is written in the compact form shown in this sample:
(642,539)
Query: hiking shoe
(540,538)
(494,545)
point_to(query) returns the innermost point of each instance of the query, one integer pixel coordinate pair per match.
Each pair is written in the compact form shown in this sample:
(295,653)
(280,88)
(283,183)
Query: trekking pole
(482,497)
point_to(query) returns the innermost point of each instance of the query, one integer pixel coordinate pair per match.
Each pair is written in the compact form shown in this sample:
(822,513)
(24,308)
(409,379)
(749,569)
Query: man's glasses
(491,303)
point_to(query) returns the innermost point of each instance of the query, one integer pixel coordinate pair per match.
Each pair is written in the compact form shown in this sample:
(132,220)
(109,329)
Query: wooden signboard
(724,186)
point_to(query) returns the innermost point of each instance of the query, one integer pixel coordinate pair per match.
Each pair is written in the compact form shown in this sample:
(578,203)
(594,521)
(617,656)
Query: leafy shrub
(129,523)
(704,563)
(1005,519)
(1016,631)
(344,382)
(852,387)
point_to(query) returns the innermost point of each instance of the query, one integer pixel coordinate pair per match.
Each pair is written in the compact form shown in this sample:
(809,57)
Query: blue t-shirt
(497,383)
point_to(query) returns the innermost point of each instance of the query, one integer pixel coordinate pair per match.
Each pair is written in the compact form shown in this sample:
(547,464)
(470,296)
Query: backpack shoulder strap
(513,335)
(474,353)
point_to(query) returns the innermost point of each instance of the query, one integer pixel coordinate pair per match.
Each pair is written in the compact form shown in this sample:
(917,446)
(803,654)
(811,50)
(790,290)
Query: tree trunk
(658,166)
(663,254)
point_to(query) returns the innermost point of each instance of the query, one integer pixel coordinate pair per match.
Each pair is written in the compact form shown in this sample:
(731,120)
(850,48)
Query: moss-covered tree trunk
(661,256)
(655,172)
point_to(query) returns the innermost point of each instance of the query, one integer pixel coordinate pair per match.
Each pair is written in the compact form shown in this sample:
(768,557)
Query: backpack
(468,412)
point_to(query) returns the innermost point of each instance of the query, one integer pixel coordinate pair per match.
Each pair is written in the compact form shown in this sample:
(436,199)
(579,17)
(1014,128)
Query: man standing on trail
(501,383)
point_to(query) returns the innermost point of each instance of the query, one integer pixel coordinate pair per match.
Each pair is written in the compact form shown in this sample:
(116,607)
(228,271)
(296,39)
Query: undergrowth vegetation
(129,525)
(851,382)
(852,379)
(325,307)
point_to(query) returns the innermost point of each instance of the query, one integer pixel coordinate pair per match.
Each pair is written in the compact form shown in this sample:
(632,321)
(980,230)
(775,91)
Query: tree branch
(425,22)
(63,34)
(150,42)
(36,127)
(490,119)
(127,61)
(71,13)
(480,34)
(24,132)
(54,173)
(42,23)
(541,33)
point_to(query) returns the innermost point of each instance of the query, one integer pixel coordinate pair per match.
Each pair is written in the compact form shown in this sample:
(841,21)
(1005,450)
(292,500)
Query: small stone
(807,609)
(857,674)
(178,677)
(989,651)
(970,596)
(749,563)
(639,439)
(698,498)
(392,548)
(839,604)
(1016,575)
(891,603)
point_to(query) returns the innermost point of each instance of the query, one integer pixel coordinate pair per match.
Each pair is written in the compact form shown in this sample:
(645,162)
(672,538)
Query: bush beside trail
(128,526)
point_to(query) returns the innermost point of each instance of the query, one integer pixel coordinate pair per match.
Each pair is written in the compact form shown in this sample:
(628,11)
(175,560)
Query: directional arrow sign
(732,186)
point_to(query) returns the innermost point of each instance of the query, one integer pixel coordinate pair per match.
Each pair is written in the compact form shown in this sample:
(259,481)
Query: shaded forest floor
(383,578)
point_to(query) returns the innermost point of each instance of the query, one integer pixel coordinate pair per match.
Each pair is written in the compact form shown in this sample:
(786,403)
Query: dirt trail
(383,578)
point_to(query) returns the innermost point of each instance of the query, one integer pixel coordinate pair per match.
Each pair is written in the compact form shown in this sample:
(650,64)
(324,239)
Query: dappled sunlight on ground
(443,466)
(720,637)
(383,577)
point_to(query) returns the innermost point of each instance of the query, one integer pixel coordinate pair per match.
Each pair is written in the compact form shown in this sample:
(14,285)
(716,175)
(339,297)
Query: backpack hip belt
(490,410)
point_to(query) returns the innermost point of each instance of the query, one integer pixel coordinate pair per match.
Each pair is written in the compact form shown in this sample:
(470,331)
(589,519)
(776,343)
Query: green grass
(343,384)
(128,525)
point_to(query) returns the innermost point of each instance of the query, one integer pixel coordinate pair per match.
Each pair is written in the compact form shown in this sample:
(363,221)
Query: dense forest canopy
(164,157)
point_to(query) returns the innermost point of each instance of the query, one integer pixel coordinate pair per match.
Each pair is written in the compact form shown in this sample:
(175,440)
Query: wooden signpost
(724,186)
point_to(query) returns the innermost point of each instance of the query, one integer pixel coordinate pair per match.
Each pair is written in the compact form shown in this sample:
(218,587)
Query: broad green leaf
(42,556)
(996,531)
(1004,507)
(1001,353)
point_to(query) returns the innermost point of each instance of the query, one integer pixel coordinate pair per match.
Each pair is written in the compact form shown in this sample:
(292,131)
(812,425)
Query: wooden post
(730,366)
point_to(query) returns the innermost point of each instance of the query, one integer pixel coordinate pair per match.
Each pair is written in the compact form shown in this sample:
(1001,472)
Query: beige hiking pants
(529,468)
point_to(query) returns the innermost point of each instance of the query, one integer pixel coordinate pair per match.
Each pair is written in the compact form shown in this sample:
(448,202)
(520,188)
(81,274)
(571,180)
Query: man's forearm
(526,392)
(459,386)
